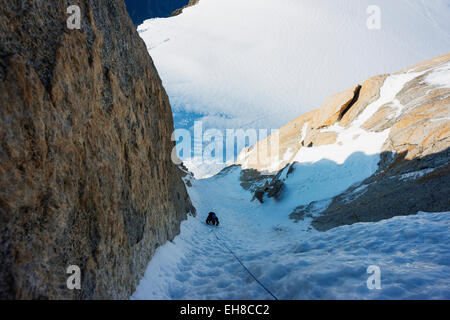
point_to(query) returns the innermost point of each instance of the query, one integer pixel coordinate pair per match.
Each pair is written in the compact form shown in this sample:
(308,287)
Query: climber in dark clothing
(212,219)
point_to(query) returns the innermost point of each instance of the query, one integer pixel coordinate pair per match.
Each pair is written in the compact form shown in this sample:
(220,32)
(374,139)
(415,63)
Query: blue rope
(249,272)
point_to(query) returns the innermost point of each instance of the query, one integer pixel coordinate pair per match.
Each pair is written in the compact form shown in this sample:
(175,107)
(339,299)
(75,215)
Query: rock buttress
(85,169)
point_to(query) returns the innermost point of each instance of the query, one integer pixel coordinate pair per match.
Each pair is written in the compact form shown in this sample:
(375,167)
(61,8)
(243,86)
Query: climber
(212,219)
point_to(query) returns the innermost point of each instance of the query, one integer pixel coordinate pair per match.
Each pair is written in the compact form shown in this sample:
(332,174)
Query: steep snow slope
(292,260)
(251,63)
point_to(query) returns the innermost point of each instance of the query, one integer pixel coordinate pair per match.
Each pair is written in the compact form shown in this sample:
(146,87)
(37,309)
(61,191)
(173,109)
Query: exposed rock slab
(335,107)
(370,92)
(320,139)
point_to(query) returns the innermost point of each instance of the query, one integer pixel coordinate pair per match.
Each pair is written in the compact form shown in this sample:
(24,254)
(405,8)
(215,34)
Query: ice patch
(440,119)
(358,192)
(440,77)
(415,175)
(304,132)
(398,109)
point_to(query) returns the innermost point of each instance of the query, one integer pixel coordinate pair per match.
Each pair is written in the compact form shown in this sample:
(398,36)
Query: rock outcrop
(413,173)
(141,10)
(180,10)
(85,160)
(335,108)
(414,167)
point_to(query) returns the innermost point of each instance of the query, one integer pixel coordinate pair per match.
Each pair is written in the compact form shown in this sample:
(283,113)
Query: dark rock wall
(85,170)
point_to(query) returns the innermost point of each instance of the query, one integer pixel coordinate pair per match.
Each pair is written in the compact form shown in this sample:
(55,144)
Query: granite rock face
(86,173)
(335,107)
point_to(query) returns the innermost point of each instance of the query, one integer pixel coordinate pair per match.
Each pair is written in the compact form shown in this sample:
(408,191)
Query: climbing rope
(249,272)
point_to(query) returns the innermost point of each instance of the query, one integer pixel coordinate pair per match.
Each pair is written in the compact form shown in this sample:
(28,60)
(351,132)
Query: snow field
(412,252)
